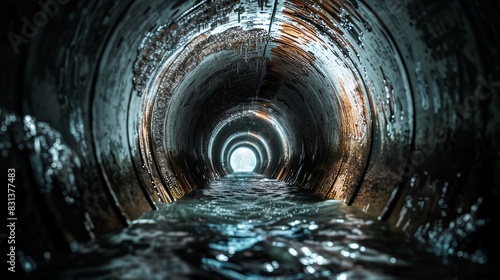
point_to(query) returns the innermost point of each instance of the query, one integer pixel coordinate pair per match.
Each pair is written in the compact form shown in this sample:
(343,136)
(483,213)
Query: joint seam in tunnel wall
(116,202)
(387,211)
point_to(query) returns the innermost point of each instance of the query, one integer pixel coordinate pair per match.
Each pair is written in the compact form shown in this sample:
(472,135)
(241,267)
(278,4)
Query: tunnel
(110,109)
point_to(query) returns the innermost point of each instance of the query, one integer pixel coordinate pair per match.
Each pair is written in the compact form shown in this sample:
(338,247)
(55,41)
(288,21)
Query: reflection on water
(249,227)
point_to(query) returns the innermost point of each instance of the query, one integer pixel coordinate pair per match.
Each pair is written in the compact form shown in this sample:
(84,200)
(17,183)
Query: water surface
(245,226)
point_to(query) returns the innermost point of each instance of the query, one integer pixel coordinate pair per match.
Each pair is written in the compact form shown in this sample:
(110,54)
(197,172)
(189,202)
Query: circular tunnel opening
(289,88)
(242,159)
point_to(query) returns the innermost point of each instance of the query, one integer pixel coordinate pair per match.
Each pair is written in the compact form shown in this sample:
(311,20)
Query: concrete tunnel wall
(390,106)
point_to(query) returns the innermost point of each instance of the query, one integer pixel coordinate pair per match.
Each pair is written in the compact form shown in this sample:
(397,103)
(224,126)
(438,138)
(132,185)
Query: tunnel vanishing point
(110,107)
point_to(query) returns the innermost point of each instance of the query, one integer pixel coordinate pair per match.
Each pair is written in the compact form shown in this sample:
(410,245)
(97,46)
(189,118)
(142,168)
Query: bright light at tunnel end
(243,160)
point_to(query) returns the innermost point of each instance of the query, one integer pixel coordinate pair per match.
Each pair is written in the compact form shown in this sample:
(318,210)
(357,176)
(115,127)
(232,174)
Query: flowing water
(245,226)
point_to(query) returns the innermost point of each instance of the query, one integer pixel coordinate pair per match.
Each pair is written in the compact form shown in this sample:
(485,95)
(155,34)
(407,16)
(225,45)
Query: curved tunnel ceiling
(387,106)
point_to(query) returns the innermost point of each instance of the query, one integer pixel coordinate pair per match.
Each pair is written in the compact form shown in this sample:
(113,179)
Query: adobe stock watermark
(393,7)
(453,119)
(31,28)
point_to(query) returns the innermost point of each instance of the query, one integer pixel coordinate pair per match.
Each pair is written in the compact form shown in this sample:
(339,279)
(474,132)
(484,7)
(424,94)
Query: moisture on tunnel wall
(111,107)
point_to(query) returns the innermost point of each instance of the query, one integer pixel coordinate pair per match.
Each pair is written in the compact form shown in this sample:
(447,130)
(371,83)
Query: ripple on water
(264,229)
